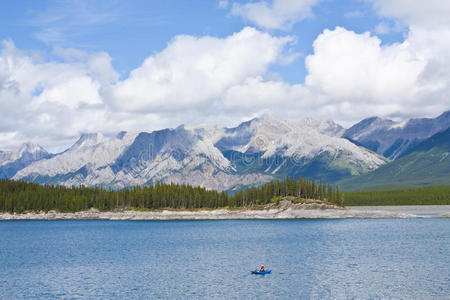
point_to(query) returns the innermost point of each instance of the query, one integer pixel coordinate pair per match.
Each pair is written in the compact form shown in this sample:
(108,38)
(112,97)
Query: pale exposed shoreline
(307,212)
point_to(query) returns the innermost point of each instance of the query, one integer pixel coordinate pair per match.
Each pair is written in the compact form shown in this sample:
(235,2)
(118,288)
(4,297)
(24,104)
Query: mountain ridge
(216,157)
(13,161)
(264,148)
(426,164)
(394,139)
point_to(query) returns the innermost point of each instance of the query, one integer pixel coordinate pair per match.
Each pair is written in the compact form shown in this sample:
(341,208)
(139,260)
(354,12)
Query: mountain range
(394,139)
(13,161)
(426,164)
(224,158)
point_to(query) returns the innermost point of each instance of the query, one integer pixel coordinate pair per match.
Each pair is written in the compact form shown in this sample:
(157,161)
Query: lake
(309,259)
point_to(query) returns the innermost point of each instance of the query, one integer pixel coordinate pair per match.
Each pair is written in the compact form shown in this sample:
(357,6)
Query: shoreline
(325,212)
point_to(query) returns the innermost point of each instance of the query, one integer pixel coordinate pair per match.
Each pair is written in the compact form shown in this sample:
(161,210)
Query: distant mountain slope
(169,155)
(13,161)
(392,139)
(90,152)
(426,164)
(180,156)
(213,157)
(307,148)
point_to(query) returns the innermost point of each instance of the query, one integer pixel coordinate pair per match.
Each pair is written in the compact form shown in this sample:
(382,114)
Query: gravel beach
(306,212)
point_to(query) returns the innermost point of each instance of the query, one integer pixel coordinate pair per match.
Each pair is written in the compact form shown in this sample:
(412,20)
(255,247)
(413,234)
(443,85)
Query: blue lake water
(310,259)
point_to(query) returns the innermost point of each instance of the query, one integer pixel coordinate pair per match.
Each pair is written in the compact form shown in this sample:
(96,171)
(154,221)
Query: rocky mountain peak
(88,139)
(30,147)
(394,139)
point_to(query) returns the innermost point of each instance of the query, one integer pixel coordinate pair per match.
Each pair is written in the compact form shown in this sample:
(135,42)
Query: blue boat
(262,272)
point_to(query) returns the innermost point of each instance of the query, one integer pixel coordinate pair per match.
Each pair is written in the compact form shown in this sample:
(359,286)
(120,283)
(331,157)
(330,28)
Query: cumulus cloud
(46,100)
(192,72)
(347,65)
(363,78)
(352,76)
(279,14)
(429,38)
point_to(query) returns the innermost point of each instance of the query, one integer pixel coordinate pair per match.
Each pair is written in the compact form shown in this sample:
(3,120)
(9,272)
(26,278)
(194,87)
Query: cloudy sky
(68,67)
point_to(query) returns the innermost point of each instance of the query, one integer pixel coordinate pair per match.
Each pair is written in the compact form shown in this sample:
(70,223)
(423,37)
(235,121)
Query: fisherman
(262,269)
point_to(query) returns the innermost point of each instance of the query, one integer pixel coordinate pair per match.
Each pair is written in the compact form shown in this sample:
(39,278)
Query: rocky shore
(287,211)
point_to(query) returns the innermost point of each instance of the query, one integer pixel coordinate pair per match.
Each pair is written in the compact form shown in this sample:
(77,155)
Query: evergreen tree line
(301,188)
(20,196)
(438,195)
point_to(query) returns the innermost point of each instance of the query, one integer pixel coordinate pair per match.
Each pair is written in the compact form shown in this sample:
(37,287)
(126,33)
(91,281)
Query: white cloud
(47,101)
(59,22)
(386,27)
(429,38)
(354,14)
(70,93)
(280,14)
(382,28)
(101,69)
(192,72)
(69,54)
(347,65)
(223,4)
(430,13)
(52,103)
(352,76)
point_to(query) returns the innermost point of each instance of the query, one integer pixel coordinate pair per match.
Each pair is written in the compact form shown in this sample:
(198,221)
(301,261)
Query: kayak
(262,272)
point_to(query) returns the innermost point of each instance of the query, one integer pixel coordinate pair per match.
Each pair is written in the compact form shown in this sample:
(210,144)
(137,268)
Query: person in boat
(262,269)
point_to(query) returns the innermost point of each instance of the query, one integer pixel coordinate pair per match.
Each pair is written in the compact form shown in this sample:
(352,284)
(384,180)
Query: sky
(72,67)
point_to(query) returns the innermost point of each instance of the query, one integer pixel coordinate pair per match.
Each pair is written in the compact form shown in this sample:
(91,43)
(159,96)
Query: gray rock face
(213,157)
(393,139)
(308,148)
(13,161)
(223,158)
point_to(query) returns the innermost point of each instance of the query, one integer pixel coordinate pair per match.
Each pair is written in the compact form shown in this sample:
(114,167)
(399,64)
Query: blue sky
(132,30)
(107,66)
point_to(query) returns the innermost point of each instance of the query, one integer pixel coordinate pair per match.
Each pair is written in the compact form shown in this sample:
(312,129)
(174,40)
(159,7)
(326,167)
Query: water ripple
(310,259)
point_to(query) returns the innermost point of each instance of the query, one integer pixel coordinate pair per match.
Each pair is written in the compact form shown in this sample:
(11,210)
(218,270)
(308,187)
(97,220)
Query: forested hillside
(19,196)
(420,196)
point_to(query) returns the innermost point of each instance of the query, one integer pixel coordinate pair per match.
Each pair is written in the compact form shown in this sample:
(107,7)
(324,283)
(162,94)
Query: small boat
(261,272)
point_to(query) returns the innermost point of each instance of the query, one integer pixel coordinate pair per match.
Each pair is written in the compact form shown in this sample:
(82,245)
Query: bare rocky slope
(209,156)
(13,161)
(394,139)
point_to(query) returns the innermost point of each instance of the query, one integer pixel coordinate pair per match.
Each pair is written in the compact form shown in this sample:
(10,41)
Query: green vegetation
(20,196)
(301,188)
(418,196)
(427,165)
